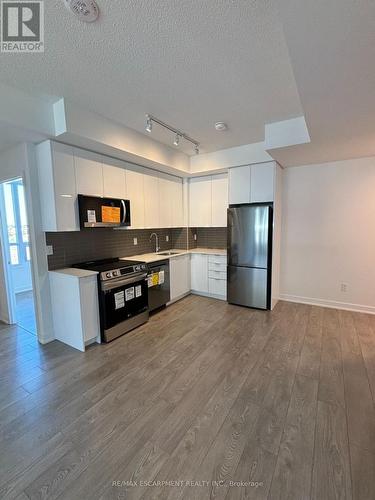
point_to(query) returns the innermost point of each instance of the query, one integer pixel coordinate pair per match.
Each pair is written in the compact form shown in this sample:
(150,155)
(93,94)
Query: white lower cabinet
(199,273)
(75,307)
(179,269)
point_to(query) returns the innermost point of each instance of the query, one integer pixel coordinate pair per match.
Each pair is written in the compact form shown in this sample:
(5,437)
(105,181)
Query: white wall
(20,162)
(328,234)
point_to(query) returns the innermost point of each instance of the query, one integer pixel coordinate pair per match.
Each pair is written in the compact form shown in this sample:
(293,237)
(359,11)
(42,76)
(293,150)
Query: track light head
(196,149)
(149,124)
(176,141)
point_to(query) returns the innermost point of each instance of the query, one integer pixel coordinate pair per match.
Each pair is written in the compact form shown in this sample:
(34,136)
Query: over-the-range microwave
(103,212)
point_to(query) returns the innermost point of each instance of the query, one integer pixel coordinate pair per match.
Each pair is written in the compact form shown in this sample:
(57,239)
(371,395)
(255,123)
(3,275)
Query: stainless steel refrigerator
(250,255)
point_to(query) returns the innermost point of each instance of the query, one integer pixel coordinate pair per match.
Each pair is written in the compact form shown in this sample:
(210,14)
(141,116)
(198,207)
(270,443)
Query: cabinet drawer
(220,275)
(217,259)
(217,266)
(217,287)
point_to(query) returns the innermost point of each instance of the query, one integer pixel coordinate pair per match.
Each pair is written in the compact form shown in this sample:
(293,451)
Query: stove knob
(109,275)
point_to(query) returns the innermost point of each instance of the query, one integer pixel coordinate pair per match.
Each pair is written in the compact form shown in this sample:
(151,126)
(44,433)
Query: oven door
(122,301)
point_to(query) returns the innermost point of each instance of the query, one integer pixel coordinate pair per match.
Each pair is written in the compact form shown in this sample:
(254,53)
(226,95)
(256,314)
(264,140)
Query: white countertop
(209,251)
(155,257)
(146,257)
(76,273)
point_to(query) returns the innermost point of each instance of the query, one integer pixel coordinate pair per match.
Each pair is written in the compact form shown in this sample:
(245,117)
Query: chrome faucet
(156,241)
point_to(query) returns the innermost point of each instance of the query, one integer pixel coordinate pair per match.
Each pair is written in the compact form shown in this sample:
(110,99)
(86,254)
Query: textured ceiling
(189,62)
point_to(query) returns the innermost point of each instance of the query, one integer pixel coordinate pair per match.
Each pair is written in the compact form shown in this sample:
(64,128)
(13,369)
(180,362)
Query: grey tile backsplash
(74,247)
(211,237)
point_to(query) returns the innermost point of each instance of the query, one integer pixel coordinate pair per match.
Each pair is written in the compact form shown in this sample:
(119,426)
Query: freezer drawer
(248,287)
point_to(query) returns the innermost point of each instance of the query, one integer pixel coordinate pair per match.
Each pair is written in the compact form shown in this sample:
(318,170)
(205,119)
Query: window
(16,220)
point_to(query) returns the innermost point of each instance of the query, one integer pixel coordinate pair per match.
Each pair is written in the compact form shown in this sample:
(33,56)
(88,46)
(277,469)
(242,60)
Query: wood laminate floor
(207,400)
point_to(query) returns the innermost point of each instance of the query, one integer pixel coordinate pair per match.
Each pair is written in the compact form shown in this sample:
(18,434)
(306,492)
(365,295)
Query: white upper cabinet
(262,182)
(252,183)
(151,193)
(135,193)
(200,202)
(165,201)
(89,173)
(219,200)
(239,185)
(177,198)
(156,200)
(114,181)
(57,186)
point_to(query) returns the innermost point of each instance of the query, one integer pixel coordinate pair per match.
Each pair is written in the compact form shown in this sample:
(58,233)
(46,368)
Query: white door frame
(11,296)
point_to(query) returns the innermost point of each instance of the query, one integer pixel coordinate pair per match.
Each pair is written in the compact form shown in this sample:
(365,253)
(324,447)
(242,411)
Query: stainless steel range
(123,295)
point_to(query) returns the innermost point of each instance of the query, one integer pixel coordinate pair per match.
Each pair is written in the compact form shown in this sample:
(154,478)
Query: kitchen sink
(168,253)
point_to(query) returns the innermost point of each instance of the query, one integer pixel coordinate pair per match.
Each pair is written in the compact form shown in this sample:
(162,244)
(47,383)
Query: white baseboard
(346,306)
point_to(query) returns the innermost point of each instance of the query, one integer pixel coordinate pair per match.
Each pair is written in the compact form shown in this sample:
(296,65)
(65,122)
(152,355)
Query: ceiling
(332,52)
(190,63)
(193,62)
(11,136)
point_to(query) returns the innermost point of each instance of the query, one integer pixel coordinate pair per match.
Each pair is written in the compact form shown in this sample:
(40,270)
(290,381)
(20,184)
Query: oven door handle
(116,283)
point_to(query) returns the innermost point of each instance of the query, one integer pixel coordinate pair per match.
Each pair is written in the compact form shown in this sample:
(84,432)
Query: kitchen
(180,258)
(190,188)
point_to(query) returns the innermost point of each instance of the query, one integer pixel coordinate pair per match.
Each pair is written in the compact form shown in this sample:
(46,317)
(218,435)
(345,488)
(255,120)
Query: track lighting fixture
(149,124)
(178,134)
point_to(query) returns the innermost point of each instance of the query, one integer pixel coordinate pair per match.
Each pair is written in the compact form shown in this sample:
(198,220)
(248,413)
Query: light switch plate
(167,238)
(195,237)
(135,240)
(49,249)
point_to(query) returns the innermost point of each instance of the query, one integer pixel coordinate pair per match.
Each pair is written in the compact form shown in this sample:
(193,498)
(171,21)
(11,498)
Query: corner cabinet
(57,187)
(208,201)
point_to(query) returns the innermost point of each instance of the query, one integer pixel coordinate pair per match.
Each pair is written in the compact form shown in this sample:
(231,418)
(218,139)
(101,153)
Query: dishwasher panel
(158,294)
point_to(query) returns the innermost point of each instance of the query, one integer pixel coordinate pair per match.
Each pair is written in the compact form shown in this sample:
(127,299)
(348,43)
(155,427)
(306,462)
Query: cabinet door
(199,273)
(239,185)
(135,193)
(165,201)
(179,276)
(151,186)
(177,196)
(66,204)
(114,182)
(89,173)
(219,200)
(262,182)
(200,201)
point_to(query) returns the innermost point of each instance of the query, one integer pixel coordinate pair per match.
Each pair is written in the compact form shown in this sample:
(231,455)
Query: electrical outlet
(167,238)
(195,237)
(344,287)
(135,241)
(49,249)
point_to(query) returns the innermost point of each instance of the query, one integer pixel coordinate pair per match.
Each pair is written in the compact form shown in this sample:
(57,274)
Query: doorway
(15,235)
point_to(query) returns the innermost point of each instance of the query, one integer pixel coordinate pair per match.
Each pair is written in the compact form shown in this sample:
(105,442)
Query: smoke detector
(85,10)
(221,126)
